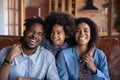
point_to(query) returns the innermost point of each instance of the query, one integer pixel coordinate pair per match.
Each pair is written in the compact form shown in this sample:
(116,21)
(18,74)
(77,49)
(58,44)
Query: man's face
(33,36)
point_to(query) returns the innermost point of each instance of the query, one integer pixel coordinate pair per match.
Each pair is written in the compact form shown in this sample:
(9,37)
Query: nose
(54,34)
(81,32)
(34,34)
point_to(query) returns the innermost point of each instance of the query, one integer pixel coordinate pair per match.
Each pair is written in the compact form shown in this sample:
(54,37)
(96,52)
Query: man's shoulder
(5,50)
(7,47)
(44,51)
(45,54)
(42,48)
(3,53)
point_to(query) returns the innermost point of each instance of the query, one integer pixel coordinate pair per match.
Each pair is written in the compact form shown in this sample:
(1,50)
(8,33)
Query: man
(26,60)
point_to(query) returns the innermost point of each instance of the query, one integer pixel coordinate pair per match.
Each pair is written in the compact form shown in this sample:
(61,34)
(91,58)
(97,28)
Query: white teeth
(82,38)
(33,40)
(55,39)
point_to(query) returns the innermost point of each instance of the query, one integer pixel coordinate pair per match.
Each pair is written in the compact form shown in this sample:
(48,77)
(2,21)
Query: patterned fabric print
(83,73)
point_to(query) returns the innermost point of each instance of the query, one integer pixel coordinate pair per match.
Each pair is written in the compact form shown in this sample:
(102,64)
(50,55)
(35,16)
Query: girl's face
(82,34)
(58,35)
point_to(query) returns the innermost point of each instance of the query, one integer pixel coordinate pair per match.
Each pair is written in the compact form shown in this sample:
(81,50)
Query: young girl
(60,29)
(83,61)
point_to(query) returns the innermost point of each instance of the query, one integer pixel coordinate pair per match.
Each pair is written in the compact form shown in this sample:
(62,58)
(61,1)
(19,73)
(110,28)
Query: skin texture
(58,35)
(82,37)
(32,38)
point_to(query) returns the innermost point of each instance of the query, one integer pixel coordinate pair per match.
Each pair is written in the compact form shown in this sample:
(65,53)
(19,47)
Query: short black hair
(65,20)
(93,29)
(31,21)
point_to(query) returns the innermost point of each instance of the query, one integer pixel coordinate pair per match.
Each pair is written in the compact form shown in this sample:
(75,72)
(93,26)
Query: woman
(83,61)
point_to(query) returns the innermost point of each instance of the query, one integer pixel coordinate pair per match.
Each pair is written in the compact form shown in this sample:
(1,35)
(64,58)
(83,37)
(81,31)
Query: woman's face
(58,35)
(82,34)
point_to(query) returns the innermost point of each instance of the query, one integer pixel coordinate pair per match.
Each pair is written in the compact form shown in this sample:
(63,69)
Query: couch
(109,44)
(111,47)
(8,40)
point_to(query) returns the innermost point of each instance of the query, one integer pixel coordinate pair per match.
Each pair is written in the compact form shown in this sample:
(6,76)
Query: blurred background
(105,13)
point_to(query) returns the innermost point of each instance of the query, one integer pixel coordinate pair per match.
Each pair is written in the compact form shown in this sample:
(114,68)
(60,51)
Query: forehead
(37,26)
(83,25)
(57,27)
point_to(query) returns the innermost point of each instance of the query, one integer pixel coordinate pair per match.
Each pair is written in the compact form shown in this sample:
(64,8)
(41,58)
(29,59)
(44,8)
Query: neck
(81,49)
(28,51)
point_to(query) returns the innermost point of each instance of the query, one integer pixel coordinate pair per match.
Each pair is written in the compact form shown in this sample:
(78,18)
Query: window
(13,17)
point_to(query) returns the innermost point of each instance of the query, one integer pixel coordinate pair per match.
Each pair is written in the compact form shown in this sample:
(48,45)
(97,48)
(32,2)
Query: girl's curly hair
(65,20)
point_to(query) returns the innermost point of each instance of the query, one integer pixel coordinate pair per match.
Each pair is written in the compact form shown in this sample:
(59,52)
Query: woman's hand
(88,59)
(90,62)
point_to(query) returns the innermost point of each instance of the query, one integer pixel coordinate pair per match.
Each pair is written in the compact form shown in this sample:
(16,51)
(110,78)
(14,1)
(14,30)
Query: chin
(31,46)
(56,44)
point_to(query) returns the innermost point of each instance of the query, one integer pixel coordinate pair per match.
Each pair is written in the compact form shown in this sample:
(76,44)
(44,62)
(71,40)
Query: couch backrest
(8,40)
(109,44)
(111,47)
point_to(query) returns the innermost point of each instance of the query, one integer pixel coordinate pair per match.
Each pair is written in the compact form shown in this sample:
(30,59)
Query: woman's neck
(82,49)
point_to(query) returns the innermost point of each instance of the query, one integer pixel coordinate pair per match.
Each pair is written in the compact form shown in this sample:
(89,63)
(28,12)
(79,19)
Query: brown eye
(31,30)
(58,32)
(86,30)
(77,31)
(40,33)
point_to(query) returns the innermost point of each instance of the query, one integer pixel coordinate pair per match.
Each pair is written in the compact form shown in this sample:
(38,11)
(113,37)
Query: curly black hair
(65,20)
(31,21)
(93,29)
